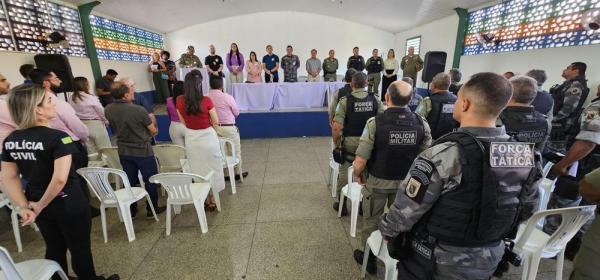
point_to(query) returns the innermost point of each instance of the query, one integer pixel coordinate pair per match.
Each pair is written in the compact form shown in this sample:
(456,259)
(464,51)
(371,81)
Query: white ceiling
(389,15)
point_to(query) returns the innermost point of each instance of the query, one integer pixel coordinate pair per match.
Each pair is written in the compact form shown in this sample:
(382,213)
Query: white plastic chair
(4,201)
(353,192)
(533,244)
(110,156)
(97,179)
(28,270)
(185,188)
(168,158)
(334,171)
(187,169)
(230,161)
(375,244)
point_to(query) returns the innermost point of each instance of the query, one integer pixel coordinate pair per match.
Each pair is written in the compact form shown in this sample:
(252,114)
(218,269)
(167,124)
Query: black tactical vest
(440,118)
(525,124)
(358,111)
(375,66)
(398,135)
(486,205)
(345,91)
(558,93)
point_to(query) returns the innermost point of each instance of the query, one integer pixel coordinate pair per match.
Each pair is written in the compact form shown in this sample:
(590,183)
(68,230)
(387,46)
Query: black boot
(371,262)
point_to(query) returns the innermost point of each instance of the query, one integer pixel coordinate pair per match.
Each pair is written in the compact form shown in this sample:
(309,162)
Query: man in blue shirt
(270,63)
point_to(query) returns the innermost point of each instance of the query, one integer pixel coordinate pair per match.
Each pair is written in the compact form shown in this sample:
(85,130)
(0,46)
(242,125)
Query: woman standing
(91,113)
(254,68)
(43,156)
(202,147)
(171,68)
(176,129)
(159,77)
(390,74)
(235,64)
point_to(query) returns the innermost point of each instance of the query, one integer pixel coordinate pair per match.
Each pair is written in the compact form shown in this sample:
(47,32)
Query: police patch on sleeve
(511,154)
(420,178)
(67,140)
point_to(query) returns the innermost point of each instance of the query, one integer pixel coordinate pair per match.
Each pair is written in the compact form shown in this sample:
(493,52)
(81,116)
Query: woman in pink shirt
(254,69)
(91,113)
(176,129)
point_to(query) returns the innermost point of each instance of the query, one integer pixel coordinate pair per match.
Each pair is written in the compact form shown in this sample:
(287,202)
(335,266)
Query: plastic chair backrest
(545,188)
(178,184)
(110,155)
(546,169)
(354,188)
(7,266)
(169,157)
(572,219)
(97,178)
(224,142)
(185,166)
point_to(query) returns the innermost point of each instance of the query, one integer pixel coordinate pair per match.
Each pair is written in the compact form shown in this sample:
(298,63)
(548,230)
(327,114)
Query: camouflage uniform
(378,192)
(187,60)
(290,65)
(330,67)
(452,262)
(349,143)
(568,101)
(415,101)
(590,131)
(411,66)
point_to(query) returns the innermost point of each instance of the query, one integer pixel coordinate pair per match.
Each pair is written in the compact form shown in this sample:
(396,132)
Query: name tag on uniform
(511,154)
(532,135)
(363,107)
(403,138)
(447,108)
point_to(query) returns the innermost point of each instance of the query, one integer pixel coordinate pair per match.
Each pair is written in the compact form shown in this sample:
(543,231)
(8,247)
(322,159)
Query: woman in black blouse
(53,198)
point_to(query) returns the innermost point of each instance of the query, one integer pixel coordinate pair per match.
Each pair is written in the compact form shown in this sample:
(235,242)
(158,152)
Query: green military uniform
(424,107)
(350,144)
(374,67)
(586,266)
(330,67)
(187,60)
(411,66)
(379,192)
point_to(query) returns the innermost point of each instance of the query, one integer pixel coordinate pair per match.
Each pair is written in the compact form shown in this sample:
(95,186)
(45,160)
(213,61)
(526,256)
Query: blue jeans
(147,167)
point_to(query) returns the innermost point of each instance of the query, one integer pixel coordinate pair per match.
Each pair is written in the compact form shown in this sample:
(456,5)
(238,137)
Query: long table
(276,96)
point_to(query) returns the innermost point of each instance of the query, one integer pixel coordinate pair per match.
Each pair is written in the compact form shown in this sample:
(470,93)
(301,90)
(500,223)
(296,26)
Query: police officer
(374,67)
(388,145)
(438,108)
(520,119)
(439,226)
(568,103)
(351,115)
(416,98)
(290,64)
(189,59)
(586,150)
(330,67)
(356,61)
(345,91)
(585,265)
(411,64)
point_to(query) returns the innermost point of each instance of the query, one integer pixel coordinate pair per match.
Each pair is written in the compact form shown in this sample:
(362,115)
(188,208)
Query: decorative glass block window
(6,42)
(414,42)
(529,24)
(118,41)
(31,20)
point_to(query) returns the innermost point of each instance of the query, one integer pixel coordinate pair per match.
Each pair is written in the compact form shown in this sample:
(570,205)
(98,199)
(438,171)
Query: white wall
(304,31)
(80,67)
(439,35)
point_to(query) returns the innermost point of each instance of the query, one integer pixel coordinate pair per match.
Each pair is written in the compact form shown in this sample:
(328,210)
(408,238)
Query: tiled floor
(279,225)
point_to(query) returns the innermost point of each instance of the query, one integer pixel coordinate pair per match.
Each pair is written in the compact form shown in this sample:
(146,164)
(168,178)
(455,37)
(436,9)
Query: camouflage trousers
(458,263)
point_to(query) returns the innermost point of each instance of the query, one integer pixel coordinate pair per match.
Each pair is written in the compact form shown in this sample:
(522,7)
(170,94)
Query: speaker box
(59,64)
(435,62)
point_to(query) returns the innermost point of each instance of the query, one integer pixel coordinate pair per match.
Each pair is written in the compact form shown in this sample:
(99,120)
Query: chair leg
(103,218)
(120,214)
(329,176)
(342,201)
(61,273)
(560,261)
(217,199)
(128,221)
(334,183)
(353,217)
(533,266)
(241,172)
(151,207)
(363,269)
(199,205)
(168,218)
(16,231)
(177,209)
(231,171)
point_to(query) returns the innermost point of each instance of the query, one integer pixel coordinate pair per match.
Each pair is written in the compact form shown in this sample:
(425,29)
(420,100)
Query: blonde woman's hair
(22,102)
